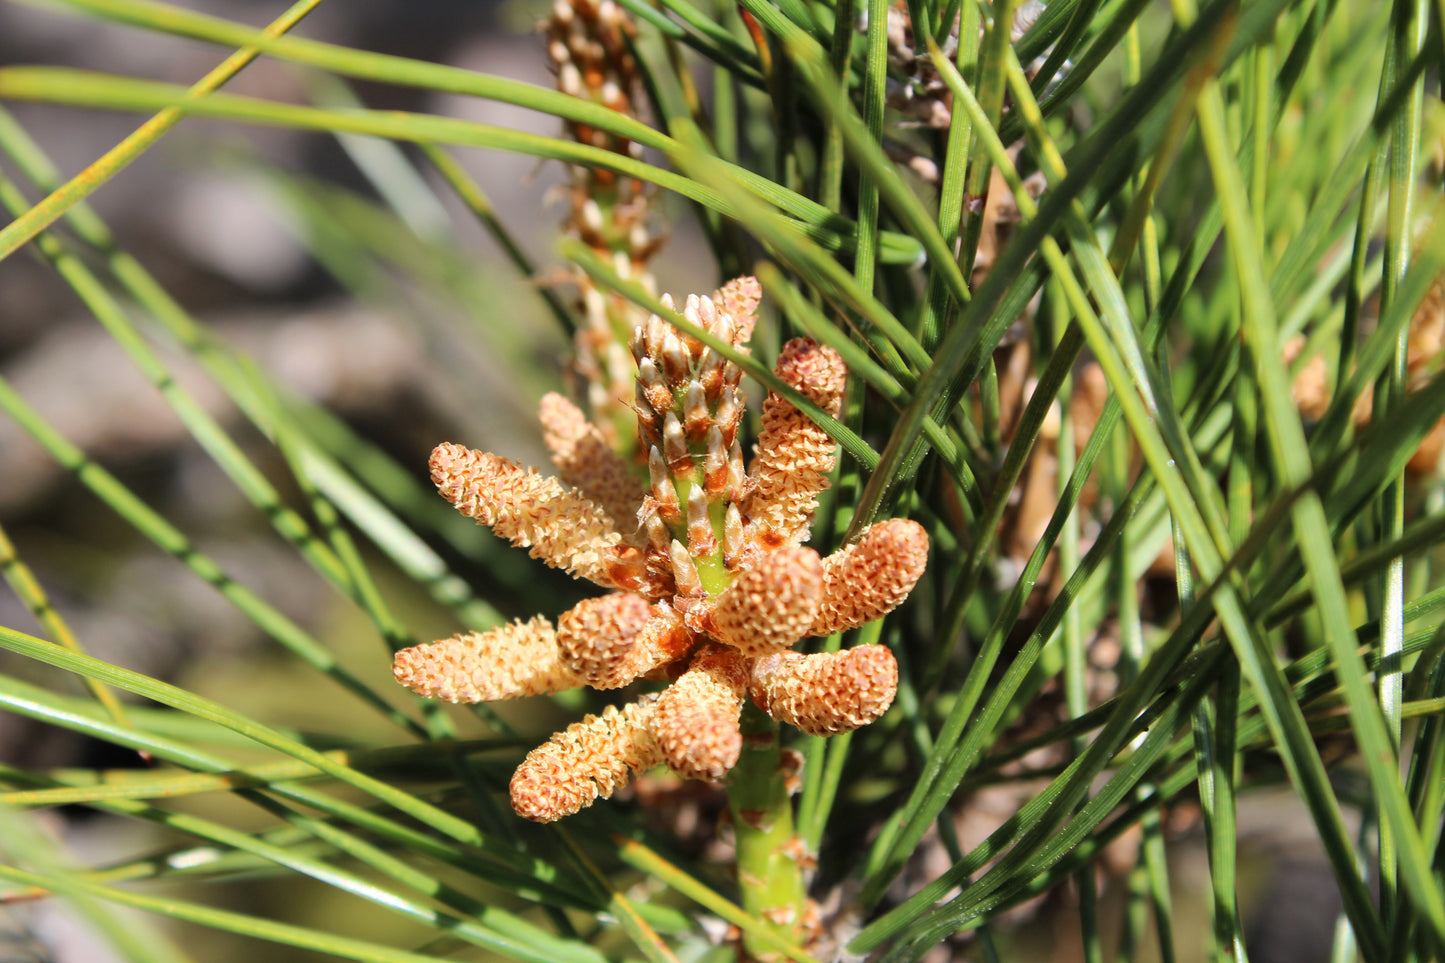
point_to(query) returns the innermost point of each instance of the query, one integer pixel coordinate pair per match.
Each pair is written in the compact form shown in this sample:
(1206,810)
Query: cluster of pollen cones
(712,588)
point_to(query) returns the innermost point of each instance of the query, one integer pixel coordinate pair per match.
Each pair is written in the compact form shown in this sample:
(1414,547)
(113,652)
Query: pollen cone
(587,462)
(510,662)
(772,604)
(795,455)
(599,639)
(696,724)
(828,692)
(563,528)
(871,577)
(588,760)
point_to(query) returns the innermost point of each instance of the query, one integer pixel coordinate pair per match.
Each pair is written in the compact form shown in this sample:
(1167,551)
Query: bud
(700,538)
(715,462)
(696,418)
(663,490)
(732,534)
(674,445)
(683,571)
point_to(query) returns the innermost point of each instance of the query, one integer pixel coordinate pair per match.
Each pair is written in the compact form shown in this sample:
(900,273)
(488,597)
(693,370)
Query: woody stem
(769,876)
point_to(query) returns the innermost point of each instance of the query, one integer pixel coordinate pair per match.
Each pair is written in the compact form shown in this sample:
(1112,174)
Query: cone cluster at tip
(712,588)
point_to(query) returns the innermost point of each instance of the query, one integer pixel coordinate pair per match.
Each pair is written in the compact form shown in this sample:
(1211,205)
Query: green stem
(770,876)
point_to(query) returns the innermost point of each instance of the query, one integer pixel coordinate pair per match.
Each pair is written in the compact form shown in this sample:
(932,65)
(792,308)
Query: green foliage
(1216,180)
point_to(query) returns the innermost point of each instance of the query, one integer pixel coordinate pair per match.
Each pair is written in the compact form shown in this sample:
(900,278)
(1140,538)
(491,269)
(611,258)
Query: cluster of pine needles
(1053,473)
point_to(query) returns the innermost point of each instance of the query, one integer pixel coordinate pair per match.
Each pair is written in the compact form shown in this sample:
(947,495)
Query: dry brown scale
(1313,389)
(713,586)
